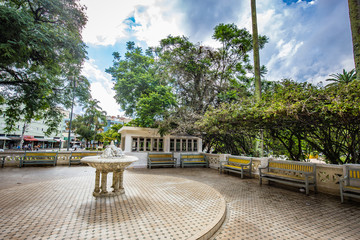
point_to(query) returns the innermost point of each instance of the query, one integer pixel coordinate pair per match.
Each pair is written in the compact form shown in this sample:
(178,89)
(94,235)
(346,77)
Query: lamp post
(71,114)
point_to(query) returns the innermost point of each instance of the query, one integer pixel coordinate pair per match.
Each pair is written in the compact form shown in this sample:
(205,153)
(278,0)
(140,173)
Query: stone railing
(327,175)
(13,157)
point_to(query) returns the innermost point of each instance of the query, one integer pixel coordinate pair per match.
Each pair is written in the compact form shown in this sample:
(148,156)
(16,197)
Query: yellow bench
(75,157)
(237,164)
(193,159)
(299,174)
(31,158)
(350,184)
(160,159)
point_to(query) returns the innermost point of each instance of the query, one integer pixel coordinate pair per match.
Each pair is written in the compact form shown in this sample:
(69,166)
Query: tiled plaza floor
(56,203)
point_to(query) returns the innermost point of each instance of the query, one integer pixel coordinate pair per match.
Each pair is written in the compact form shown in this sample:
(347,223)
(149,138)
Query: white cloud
(154,20)
(307,40)
(157,22)
(101,88)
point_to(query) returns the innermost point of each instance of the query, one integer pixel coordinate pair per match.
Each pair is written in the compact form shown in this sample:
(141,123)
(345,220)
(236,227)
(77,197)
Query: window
(161,145)
(148,144)
(134,146)
(183,145)
(177,145)
(155,145)
(142,144)
(172,145)
(195,145)
(189,145)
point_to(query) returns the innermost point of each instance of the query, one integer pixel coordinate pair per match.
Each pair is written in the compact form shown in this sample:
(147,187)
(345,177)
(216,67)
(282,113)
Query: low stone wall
(327,175)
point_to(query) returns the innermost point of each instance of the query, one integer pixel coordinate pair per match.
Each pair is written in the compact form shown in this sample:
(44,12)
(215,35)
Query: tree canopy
(174,84)
(41,51)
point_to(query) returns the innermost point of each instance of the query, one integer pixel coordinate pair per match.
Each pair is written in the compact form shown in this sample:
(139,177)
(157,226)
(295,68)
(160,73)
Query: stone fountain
(111,160)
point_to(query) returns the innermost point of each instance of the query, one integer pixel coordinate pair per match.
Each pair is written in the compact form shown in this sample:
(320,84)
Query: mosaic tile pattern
(153,207)
(276,211)
(253,212)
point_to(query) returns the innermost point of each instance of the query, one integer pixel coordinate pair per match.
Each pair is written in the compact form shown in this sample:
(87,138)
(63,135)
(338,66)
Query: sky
(308,39)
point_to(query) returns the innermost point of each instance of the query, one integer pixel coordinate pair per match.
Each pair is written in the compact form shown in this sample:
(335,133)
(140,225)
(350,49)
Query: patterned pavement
(165,203)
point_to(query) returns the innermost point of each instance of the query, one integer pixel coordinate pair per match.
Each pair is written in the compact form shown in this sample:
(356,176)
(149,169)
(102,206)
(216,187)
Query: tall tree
(256,51)
(139,88)
(354,13)
(91,123)
(40,48)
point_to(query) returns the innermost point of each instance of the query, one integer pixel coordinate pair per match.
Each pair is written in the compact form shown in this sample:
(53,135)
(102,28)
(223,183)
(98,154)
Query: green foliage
(341,78)
(154,106)
(89,124)
(299,117)
(40,48)
(135,76)
(111,134)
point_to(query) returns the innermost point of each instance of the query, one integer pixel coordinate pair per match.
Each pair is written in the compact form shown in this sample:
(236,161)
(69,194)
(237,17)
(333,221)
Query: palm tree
(256,52)
(354,10)
(341,78)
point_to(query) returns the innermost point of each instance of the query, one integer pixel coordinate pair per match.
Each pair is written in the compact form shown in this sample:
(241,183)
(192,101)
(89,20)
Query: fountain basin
(103,166)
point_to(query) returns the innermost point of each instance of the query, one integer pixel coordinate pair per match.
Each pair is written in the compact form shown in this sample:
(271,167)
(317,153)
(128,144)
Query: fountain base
(103,168)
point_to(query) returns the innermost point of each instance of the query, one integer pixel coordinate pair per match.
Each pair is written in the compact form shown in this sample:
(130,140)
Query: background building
(33,136)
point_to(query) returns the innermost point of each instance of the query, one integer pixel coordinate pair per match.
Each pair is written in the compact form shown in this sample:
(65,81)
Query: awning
(4,138)
(15,138)
(45,139)
(31,139)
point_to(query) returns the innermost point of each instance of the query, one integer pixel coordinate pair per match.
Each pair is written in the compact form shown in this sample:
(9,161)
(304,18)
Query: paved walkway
(56,203)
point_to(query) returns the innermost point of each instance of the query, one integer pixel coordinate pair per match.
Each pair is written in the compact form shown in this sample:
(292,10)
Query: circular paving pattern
(153,207)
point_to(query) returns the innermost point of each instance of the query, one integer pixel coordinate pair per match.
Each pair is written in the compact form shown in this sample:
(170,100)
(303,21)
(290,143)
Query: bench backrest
(352,171)
(82,154)
(292,166)
(239,160)
(197,156)
(160,156)
(40,155)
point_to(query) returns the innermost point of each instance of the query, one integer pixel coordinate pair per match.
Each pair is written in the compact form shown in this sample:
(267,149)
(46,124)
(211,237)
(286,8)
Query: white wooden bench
(237,164)
(193,159)
(350,183)
(299,174)
(156,159)
(75,157)
(31,158)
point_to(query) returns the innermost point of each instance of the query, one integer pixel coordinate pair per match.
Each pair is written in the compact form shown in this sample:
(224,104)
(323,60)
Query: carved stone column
(104,182)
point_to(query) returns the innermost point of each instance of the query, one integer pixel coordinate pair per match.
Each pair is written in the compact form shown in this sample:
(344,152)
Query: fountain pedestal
(103,166)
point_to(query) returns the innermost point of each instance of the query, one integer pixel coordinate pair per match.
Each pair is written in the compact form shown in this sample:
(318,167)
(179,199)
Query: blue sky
(308,40)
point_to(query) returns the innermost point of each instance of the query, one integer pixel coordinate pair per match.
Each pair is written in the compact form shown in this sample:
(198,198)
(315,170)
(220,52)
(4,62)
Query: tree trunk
(259,144)
(22,135)
(256,51)
(354,13)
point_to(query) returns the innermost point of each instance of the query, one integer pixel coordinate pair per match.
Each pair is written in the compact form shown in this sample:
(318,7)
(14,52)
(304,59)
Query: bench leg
(341,192)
